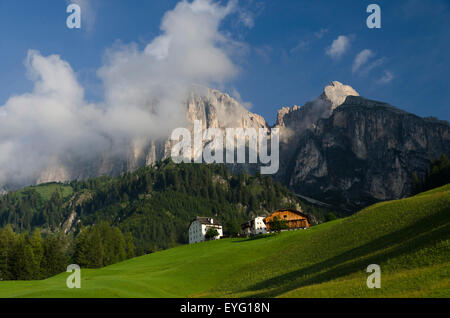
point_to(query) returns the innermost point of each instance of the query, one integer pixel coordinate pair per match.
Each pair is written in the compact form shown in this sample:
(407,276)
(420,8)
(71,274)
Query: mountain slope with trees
(105,220)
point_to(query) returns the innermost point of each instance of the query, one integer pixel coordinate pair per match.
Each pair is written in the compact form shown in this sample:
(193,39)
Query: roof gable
(206,221)
(296,212)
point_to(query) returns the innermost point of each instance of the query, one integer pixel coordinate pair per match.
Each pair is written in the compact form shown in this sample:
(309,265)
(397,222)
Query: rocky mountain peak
(336,93)
(333,96)
(365,152)
(281,114)
(219,110)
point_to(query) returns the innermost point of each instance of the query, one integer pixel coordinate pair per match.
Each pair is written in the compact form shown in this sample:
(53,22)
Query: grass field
(409,239)
(46,190)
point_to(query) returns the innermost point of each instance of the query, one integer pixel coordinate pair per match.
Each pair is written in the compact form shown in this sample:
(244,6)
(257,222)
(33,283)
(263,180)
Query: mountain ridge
(366,144)
(219,110)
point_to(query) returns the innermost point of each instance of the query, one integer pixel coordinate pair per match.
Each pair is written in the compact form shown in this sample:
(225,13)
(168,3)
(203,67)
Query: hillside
(154,203)
(409,239)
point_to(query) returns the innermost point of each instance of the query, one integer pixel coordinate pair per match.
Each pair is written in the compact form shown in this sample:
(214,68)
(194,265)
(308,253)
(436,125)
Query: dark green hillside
(39,206)
(154,203)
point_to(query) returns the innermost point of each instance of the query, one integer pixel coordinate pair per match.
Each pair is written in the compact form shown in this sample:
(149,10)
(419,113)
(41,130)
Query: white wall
(220,230)
(197,232)
(259,226)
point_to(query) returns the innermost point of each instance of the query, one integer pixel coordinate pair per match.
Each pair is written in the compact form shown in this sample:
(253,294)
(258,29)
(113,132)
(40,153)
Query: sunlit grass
(47,190)
(409,239)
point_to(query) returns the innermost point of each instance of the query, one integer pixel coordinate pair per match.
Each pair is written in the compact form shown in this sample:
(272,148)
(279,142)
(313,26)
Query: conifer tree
(36,244)
(129,245)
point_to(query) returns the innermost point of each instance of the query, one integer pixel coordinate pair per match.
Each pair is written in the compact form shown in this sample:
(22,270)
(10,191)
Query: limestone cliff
(365,152)
(213,108)
(294,121)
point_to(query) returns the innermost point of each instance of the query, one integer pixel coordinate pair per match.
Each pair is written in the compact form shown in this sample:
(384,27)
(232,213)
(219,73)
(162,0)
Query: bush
(211,234)
(277,224)
(331,217)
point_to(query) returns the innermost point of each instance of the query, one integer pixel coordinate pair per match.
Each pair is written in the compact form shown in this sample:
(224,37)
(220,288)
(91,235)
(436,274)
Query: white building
(254,227)
(200,226)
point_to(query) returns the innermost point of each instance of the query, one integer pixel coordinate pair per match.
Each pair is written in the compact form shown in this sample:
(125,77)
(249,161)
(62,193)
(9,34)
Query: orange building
(295,219)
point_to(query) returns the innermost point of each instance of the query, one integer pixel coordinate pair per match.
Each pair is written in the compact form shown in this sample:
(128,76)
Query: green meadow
(48,189)
(408,238)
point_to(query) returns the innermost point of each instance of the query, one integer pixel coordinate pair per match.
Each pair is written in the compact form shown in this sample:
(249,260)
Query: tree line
(36,255)
(437,175)
(30,256)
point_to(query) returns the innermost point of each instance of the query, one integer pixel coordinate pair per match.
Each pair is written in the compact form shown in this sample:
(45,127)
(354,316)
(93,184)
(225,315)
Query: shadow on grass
(409,239)
(257,237)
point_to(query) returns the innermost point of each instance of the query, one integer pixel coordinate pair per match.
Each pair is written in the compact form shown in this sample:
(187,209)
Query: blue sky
(283,59)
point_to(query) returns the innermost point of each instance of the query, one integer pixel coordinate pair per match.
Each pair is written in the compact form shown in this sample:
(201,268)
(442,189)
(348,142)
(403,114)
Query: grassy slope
(46,190)
(409,239)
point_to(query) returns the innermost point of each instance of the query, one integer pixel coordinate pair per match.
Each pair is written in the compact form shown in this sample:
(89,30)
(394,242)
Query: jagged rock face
(219,110)
(293,122)
(365,152)
(336,93)
(301,118)
(213,108)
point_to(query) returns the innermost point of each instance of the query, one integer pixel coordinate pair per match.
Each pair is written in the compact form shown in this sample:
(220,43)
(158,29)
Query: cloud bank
(54,127)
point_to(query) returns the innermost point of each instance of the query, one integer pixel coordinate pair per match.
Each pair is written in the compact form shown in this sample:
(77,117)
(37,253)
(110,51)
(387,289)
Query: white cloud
(386,78)
(237,96)
(361,59)
(338,47)
(363,64)
(246,18)
(374,64)
(144,93)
